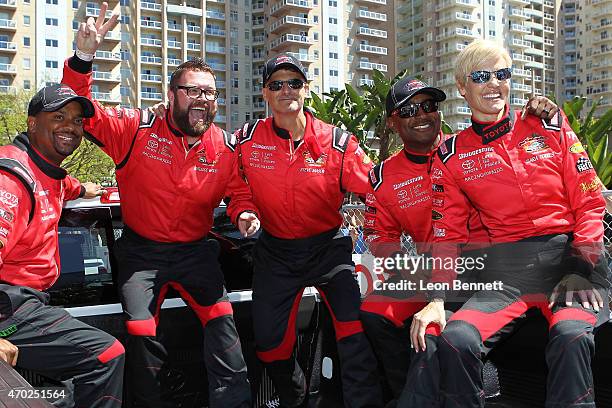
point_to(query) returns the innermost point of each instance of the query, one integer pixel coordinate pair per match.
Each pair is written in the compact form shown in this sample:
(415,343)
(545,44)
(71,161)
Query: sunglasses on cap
(410,110)
(482,77)
(293,84)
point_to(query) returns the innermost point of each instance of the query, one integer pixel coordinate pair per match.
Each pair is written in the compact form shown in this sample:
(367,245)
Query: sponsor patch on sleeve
(576,148)
(583,164)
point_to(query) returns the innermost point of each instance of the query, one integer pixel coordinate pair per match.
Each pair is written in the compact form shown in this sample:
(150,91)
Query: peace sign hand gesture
(91,33)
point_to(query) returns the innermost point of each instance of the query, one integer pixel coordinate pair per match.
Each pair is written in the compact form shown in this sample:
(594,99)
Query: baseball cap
(282,61)
(406,88)
(54,97)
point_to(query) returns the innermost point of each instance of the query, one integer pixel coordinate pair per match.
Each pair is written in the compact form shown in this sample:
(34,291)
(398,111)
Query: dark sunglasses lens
(275,85)
(480,77)
(295,83)
(429,106)
(503,74)
(408,111)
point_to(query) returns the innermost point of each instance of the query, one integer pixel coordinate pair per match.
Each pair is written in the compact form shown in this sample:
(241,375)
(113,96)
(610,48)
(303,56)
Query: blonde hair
(475,54)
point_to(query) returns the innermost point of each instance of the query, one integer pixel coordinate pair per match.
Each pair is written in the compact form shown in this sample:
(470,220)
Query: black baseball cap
(406,88)
(56,96)
(282,61)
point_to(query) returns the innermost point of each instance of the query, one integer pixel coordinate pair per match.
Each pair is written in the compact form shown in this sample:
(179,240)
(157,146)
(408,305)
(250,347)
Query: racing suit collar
(493,131)
(205,139)
(422,158)
(23,142)
(310,136)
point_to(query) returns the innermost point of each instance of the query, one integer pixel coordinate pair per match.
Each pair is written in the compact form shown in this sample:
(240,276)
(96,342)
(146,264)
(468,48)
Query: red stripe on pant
(114,350)
(148,327)
(284,350)
(396,311)
(342,329)
(204,313)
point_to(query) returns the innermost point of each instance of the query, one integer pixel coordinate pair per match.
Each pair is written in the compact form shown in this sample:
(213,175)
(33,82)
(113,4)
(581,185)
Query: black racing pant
(147,270)
(282,269)
(386,316)
(56,345)
(529,270)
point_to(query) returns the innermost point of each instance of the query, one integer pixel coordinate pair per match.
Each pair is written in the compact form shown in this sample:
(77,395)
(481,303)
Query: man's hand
(577,285)
(540,106)
(91,33)
(248,224)
(8,352)
(93,190)
(432,313)
(159,109)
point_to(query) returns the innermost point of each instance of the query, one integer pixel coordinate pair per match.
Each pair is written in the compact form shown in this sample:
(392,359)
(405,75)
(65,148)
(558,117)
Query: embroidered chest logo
(309,161)
(534,143)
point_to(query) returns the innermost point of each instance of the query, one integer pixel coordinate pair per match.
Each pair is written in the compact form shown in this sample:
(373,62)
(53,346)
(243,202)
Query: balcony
(108,56)
(445,82)
(215,31)
(518,13)
(7,89)
(8,69)
(146,5)
(153,42)
(289,39)
(520,87)
(221,101)
(220,119)
(549,16)
(463,110)
(372,49)
(146,59)
(6,24)
(521,72)
(106,76)
(174,27)
(195,29)
(366,81)
(105,97)
(521,2)
(302,57)
(194,46)
(465,17)
(173,44)
(520,28)
(8,46)
(290,21)
(302,5)
(371,66)
(372,32)
(521,43)
(259,105)
(259,39)
(446,66)
(450,50)
(151,78)
(8,4)
(151,95)
(215,15)
(459,32)
(151,24)
(521,57)
(217,66)
(259,7)
(260,56)
(371,15)
(173,62)
(447,4)
(91,11)
(381,2)
(215,49)
(463,125)
(548,29)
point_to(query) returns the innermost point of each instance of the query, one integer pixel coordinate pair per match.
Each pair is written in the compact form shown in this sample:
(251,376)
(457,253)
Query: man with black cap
(299,169)
(400,202)
(33,187)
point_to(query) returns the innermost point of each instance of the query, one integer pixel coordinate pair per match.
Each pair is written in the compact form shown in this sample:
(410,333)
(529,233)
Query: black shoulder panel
(18,170)
(447,149)
(340,139)
(376,176)
(248,129)
(229,139)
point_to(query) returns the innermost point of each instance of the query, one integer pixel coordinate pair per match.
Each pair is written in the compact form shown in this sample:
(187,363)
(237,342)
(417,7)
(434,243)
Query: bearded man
(172,173)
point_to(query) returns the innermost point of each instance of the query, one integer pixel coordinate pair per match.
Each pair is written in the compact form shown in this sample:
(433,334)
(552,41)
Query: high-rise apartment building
(432,33)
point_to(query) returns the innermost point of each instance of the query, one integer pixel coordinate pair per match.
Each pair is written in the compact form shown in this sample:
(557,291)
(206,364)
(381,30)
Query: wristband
(84,56)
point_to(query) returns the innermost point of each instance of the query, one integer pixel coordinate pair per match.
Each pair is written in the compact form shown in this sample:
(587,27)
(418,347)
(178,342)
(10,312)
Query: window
(491,17)
(492,33)
(27,84)
(247,50)
(51,21)
(333,37)
(26,20)
(316,36)
(233,15)
(316,71)
(333,3)
(333,20)
(333,55)
(125,2)
(75,24)
(26,41)
(75,4)
(235,83)
(27,64)
(51,43)
(235,66)
(333,72)
(51,64)
(52,2)
(234,100)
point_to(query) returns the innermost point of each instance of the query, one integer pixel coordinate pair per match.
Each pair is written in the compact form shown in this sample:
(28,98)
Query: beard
(202,119)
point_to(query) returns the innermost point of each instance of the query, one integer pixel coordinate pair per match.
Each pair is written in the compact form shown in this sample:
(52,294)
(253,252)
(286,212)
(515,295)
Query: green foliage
(87,163)
(594,134)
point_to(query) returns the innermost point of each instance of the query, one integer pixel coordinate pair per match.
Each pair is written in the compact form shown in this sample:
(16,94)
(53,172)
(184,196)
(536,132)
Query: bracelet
(84,56)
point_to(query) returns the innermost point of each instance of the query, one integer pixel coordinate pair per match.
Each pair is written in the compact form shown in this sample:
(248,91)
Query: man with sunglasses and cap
(401,203)
(33,187)
(172,173)
(299,169)
(540,200)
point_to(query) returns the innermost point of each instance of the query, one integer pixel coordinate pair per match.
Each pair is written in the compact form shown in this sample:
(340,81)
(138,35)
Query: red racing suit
(168,192)
(29,215)
(310,181)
